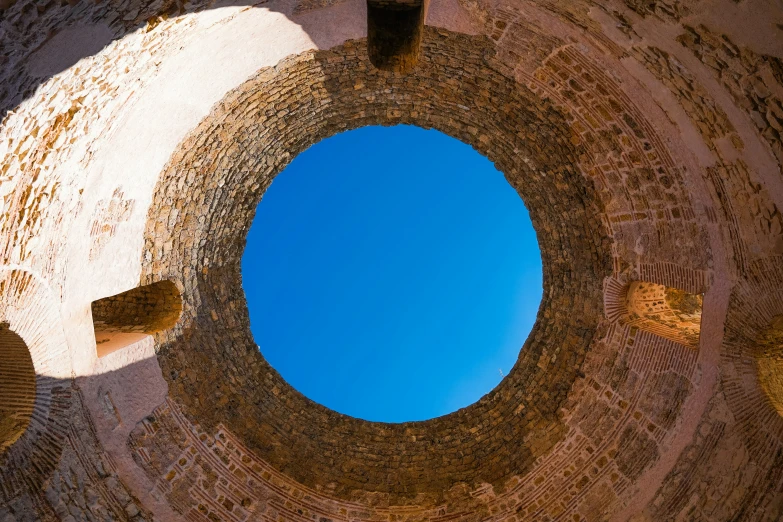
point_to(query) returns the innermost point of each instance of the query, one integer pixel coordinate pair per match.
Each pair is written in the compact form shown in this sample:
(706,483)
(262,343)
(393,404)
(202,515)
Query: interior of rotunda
(137,138)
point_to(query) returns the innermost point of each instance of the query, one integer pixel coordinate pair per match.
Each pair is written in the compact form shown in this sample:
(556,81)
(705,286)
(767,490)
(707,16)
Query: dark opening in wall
(17,387)
(126,318)
(394,33)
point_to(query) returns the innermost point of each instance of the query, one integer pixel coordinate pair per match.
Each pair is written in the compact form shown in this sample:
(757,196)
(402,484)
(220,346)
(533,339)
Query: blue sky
(391,274)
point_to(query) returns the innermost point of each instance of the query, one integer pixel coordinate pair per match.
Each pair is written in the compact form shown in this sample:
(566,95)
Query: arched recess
(671,313)
(123,319)
(215,195)
(30,315)
(17,387)
(665,311)
(751,359)
(769,360)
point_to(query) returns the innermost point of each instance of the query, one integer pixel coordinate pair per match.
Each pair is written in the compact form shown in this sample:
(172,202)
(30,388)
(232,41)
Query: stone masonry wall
(322,440)
(137,138)
(17,387)
(146,309)
(668,312)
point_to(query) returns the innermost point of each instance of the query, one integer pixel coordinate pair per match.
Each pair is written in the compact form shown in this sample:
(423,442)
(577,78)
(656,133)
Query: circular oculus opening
(392,274)
(203,208)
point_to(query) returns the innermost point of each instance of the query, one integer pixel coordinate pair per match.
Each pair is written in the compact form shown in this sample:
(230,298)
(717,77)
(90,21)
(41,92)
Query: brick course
(644,138)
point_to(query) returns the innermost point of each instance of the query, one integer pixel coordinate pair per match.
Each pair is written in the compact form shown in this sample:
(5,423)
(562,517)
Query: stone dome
(137,138)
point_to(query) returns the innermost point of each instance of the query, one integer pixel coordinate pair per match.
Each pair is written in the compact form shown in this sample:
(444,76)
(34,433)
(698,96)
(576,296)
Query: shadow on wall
(59,461)
(53,423)
(91,437)
(126,409)
(41,41)
(48,426)
(17,387)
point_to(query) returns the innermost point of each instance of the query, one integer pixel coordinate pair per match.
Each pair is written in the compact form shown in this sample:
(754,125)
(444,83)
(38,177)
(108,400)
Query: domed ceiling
(137,139)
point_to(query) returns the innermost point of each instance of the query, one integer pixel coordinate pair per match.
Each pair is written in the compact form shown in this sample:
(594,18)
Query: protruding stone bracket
(126,318)
(394,33)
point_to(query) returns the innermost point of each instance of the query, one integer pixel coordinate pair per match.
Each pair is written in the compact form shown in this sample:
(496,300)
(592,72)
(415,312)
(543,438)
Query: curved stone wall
(645,139)
(17,387)
(234,154)
(128,317)
(770,359)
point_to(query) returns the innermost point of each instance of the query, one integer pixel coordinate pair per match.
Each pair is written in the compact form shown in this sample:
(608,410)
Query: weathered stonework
(322,440)
(146,309)
(669,312)
(753,80)
(712,122)
(769,361)
(17,387)
(128,317)
(138,137)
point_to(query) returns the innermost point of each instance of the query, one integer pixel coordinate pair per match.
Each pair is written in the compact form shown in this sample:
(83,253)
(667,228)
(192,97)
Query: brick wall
(644,137)
(17,387)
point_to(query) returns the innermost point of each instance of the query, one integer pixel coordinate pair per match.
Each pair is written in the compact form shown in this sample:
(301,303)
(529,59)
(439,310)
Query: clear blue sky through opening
(392,274)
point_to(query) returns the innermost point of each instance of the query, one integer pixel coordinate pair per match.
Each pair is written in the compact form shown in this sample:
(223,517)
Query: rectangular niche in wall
(123,319)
